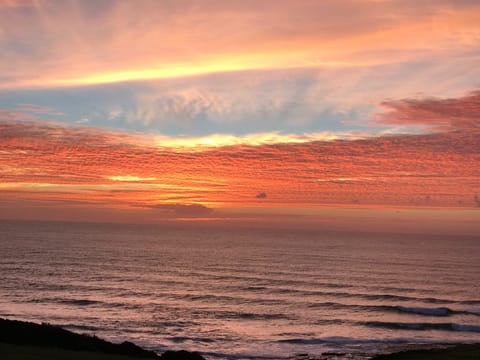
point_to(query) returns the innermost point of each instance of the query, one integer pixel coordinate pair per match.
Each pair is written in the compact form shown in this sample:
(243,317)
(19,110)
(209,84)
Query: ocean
(231,292)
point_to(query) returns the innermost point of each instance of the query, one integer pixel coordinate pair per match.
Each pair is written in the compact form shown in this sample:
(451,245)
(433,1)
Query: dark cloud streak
(442,114)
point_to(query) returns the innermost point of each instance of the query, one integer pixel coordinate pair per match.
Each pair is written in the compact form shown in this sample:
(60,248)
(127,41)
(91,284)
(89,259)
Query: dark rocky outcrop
(50,336)
(457,352)
(45,335)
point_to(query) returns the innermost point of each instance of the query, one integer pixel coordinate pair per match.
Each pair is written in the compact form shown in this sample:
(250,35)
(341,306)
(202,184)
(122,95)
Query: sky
(149,110)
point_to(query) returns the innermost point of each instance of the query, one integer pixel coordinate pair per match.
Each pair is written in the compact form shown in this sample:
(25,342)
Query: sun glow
(220,64)
(221,140)
(130,178)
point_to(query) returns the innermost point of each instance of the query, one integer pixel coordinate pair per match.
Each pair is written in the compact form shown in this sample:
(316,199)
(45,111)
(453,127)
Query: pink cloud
(443,114)
(44,161)
(136,40)
(184,210)
(16,115)
(38,109)
(18,3)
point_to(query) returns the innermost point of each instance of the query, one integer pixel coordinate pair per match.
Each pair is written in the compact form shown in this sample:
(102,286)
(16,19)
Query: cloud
(241,103)
(476,198)
(261,195)
(46,161)
(294,101)
(202,143)
(130,178)
(185,210)
(442,114)
(108,42)
(16,115)
(39,109)
(18,3)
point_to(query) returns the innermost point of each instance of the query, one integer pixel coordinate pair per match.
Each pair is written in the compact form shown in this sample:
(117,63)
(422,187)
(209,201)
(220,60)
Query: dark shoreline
(20,340)
(54,342)
(443,352)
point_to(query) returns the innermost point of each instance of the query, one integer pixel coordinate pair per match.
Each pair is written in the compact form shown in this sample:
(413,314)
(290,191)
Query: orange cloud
(109,42)
(43,163)
(182,210)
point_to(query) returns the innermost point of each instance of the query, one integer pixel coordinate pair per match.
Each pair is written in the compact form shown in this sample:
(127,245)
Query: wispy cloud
(38,109)
(107,42)
(17,3)
(293,101)
(16,115)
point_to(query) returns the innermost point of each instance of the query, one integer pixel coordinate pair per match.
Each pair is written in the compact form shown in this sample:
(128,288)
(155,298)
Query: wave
(405,298)
(341,340)
(439,311)
(76,302)
(219,298)
(182,339)
(424,311)
(422,326)
(471,302)
(377,297)
(253,316)
(83,303)
(80,302)
(254,288)
(79,327)
(372,297)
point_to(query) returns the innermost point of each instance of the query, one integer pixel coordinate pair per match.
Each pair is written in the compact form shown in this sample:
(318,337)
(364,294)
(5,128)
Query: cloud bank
(50,162)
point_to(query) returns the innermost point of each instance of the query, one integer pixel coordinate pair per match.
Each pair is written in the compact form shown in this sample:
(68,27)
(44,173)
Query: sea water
(232,292)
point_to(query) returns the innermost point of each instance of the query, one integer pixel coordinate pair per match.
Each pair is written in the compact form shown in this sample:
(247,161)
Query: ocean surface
(239,293)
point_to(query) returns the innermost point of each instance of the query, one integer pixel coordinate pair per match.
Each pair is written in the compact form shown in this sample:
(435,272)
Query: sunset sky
(152,109)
